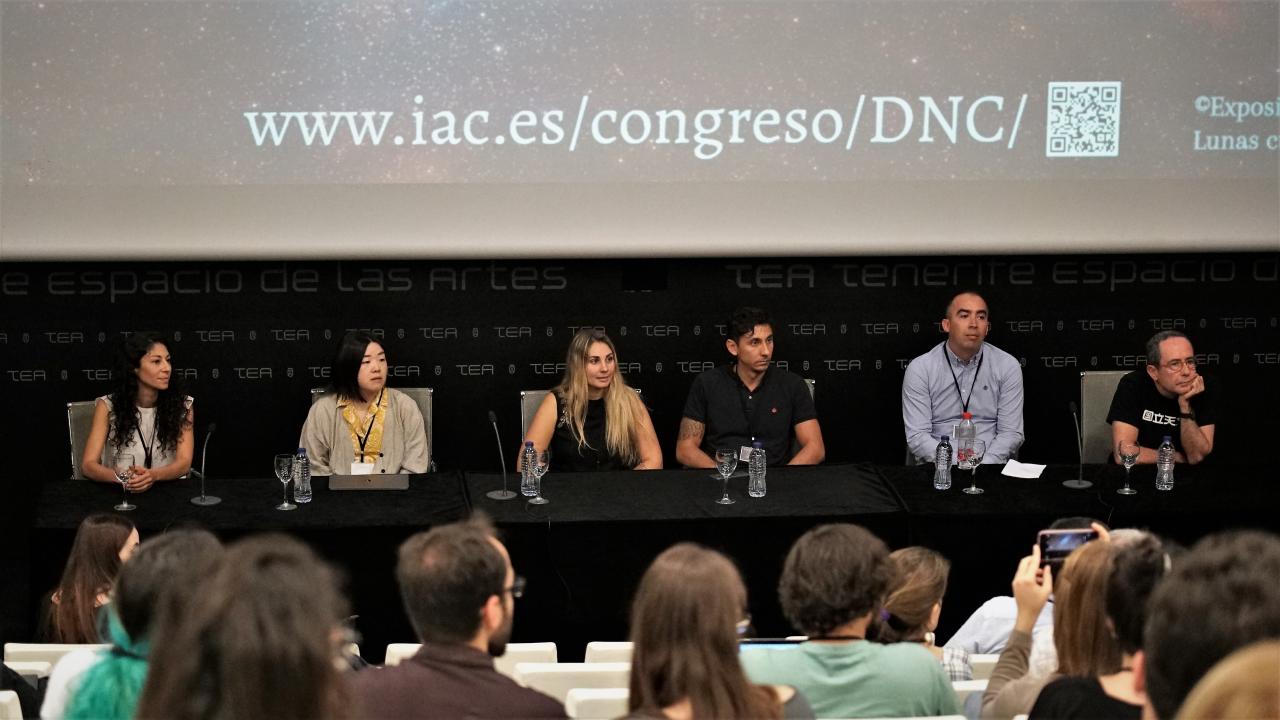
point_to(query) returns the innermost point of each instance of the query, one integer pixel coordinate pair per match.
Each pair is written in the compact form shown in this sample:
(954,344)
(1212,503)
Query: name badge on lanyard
(362,468)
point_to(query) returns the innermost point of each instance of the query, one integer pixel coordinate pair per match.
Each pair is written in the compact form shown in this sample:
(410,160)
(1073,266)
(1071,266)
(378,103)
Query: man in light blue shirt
(964,373)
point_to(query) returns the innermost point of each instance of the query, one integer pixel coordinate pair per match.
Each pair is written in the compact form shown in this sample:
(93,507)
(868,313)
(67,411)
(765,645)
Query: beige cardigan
(327,437)
(1011,691)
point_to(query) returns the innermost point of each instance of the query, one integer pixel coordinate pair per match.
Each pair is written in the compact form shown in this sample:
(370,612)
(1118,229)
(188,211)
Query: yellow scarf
(366,427)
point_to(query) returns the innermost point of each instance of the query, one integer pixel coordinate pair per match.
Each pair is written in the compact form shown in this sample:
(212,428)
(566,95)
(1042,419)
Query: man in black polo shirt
(1168,398)
(731,406)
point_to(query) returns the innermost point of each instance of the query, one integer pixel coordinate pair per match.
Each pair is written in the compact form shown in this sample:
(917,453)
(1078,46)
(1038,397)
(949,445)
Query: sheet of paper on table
(1013,468)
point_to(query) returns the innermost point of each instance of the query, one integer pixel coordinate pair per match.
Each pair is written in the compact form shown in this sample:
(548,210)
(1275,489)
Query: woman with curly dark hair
(147,415)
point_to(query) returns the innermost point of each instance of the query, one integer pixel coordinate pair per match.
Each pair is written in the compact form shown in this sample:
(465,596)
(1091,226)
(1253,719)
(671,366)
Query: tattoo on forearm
(691,429)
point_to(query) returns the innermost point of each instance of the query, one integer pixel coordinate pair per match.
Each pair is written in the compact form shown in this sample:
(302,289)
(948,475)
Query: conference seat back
(44,652)
(79,423)
(1097,387)
(983,664)
(544,652)
(557,679)
(31,669)
(596,703)
(965,688)
(602,651)
(530,400)
(10,708)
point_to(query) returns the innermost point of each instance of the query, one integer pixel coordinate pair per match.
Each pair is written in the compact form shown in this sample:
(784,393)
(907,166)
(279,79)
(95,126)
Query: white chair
(79,423)
(596,703)
(602,651)
(1097,387)
(10,708)
(516,653)
(398,652)
(965,688)
(43,652)
(983,664)
(529,402)
(424,397)
(31,669)
(557,679)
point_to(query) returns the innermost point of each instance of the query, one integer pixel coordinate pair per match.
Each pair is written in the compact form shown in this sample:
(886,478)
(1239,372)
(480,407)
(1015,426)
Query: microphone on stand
(1079,483)
(504,493)
(205,500)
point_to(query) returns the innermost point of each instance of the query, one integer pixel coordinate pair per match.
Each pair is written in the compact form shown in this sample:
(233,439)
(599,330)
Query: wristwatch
(1187,415)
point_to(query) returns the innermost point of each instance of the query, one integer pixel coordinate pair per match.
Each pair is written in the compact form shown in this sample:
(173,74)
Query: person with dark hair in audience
(260,639)
(833,581)
(747,401)
(459,591)
(1221,596)
(684,632)
(964,374)
(1139,563)
(360,426)
(593,420)
(103,543)
(1167,398)
(1245,684)
(1084,644)
(147,415)
(913,605)
(92,684)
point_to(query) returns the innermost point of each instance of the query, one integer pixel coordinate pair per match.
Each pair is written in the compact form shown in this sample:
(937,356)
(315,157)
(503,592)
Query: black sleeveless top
(566,456)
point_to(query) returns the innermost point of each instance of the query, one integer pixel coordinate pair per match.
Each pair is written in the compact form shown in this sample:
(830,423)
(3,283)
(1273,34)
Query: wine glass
(970,457)
(1128,452)
(284,471)
(726,463)
(541,464)
(122,465)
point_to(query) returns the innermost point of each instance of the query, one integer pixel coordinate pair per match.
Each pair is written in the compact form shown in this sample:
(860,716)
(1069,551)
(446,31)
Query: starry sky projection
(142,93)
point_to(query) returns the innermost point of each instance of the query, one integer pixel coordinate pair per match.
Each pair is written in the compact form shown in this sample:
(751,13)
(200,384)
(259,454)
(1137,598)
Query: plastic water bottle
(755,471)
(942,464)
(1164,464)
(301,477)
(528,481)
(966,433)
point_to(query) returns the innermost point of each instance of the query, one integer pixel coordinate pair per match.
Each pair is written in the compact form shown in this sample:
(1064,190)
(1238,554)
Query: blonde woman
(592,420)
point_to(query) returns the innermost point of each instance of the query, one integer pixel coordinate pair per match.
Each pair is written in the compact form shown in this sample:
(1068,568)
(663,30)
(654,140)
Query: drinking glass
(1128,452)
(726,463)
(970,457)
(541,464)
(284,471)
(122,465)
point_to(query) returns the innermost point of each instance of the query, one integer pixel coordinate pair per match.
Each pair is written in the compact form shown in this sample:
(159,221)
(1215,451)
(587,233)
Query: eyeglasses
(517,588)
(1177,365)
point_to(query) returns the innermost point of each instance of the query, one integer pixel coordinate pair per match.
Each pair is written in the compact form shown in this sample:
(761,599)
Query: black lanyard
(146,449)
(964,404)
(373,418)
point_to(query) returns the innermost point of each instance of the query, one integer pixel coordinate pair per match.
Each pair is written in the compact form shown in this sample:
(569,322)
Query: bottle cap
(302,452)
(967,415)
(1168,438)
(528,443)
(946,438)
(758,445)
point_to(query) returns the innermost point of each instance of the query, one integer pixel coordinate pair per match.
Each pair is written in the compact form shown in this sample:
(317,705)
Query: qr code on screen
(1083,120)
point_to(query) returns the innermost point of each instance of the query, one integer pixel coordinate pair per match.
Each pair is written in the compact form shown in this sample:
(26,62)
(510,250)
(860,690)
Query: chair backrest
(557,679)
(602,651)
(529,402)
(422,396)
(983,664)
(544,652)
(10,708)
(810,383)
(34,669)
(43,652)
(1097,387)
(398,652)
(965,688)
(596,703)
(79,423)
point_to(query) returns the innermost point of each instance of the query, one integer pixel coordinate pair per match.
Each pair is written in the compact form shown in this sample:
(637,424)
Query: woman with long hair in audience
(360,426)
(1140,561)
(1081,635)
(684,628)
(593,420)
(104,541)
(105,684)
(146,415)
(914,603)
(260,639)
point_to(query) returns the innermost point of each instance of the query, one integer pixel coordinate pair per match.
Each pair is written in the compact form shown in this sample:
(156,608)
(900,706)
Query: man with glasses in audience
(459,591)
(1169,398)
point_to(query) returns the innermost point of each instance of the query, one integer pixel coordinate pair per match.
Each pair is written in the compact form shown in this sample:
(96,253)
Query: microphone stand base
(1078,484)
(500,494)
(206,500)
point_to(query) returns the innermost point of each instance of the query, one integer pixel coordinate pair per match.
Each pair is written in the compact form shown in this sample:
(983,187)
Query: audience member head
(1084,643)
(1138,565)
(591,371)
(834,575)
(458,586)
(172,562)
(259,639)
(684,623)
(144,377)
(104,541)
(1245,684)
(914,601)
(359,369)
(1222,595)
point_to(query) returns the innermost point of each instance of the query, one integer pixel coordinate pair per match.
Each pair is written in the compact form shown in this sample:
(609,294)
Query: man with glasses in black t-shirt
(1169,398)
